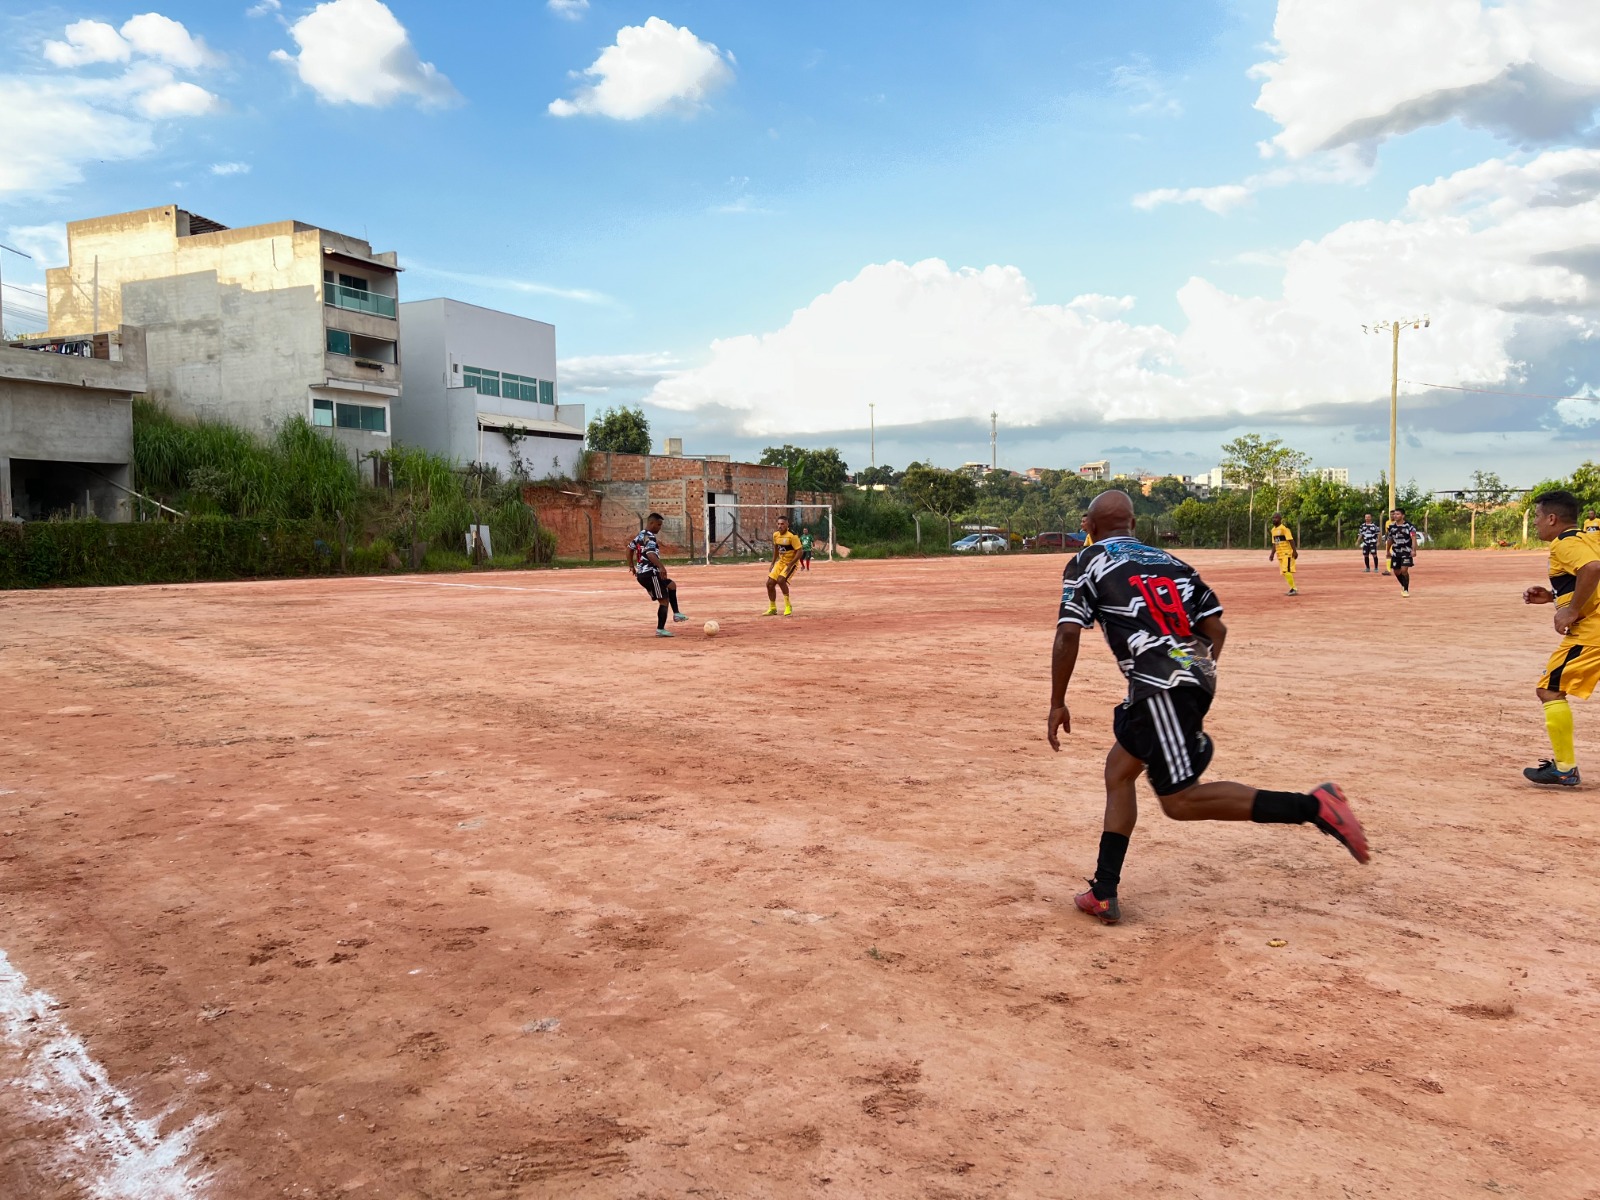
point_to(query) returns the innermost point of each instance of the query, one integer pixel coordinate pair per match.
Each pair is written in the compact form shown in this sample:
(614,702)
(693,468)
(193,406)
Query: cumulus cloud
(1222,199)
(1361,71)
(357,52)
(572,10)
(167,40)
(651,68)
(88,42)
(177,99)
(1496,254)
(599,374)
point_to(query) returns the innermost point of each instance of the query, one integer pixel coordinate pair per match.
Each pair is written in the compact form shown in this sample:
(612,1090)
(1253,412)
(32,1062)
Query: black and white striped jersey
(1368,533)
(1147,603)
(644,543)
(1403,537)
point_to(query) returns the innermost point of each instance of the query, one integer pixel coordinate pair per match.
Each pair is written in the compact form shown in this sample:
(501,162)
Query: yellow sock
(1558,723)
(1289,574)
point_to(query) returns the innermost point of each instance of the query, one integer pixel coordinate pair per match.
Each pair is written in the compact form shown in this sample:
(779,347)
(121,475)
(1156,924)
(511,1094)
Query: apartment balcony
(368,371)
(337,295)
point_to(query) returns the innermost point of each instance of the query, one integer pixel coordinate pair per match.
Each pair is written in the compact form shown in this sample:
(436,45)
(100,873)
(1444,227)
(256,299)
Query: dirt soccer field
(449,888)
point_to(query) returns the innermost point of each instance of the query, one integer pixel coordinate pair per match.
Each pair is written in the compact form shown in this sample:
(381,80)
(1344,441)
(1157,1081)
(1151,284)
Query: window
(508,385)
(354,282)
(360,416)
(322,413)
(547,391)
(338,341)
(487,382)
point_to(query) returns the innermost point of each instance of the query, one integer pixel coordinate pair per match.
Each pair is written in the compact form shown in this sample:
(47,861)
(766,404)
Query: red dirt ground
(328,860)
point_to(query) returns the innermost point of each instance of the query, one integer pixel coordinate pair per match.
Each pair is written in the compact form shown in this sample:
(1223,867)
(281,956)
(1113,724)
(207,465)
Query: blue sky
(1131,230)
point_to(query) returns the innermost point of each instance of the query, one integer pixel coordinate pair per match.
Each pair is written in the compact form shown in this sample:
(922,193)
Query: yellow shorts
(1285,563)
(781,571)
(1573,669)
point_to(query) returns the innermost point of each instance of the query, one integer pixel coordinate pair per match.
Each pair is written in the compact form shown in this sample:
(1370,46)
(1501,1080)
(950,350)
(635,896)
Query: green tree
(620,430)
(874,476)
(1487,491)
(809,470)
(1253,462)
(931,489)
(1169,492)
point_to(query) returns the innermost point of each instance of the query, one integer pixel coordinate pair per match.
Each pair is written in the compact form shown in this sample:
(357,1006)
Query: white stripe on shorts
(1177,748)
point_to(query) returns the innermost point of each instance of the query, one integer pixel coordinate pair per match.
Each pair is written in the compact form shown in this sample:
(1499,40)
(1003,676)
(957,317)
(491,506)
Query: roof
(528,425)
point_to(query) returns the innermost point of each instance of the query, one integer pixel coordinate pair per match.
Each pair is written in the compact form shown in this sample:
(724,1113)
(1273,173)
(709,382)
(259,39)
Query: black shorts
(1400,558)
(652,582)
(1164,731)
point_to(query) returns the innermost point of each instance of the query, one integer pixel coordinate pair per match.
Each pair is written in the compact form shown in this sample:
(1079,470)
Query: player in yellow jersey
(1591,523)
(1284,550)
(785,558)
(1574,669)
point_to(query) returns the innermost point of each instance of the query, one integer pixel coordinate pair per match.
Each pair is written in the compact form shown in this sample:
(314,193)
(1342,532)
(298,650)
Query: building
(66,425)
(1096,470)
(1333,475)
(620,490)
(481,387)
(248,326)
(1213,480)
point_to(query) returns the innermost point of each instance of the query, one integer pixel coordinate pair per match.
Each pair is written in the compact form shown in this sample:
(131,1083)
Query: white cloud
(1360,71)
(230,168)
(505,283)
(1498,254)
(1146,92)
(651,68)
(357,52)
(179,99)
(599,374)
(167,40)
(47,243)
(87,42)
(572,10)
(1221,199)
(1096,305)
(265,8)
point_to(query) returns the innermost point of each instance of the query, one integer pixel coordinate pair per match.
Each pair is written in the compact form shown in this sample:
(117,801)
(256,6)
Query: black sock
(1108,871)
(1283,808)
(661,617)
(672,596)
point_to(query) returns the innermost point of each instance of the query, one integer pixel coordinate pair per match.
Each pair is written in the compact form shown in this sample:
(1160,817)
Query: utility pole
(1394,328)
(19,254)
(96,328)
(993,462)
(872,421)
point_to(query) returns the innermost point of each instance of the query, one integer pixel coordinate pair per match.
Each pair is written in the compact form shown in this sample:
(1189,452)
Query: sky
(1129,231)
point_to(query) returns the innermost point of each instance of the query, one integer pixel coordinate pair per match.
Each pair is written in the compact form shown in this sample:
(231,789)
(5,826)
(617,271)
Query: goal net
(744,531)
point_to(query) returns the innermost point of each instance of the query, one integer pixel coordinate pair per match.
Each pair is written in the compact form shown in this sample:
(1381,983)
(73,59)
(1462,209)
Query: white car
(986,543)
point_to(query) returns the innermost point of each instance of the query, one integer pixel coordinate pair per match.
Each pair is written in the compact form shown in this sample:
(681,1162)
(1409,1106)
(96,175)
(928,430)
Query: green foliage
(809,470)
(620,430)
(863,518)
(932,489)
(875,476)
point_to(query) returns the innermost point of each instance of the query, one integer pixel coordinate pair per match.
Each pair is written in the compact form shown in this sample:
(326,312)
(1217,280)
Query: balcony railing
(356,300)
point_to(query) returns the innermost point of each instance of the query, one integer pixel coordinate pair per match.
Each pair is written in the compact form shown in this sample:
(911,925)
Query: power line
(1449,387)
(17,287)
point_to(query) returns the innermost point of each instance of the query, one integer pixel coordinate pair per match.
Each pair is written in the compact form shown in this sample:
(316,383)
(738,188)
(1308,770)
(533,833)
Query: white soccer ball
(712,628)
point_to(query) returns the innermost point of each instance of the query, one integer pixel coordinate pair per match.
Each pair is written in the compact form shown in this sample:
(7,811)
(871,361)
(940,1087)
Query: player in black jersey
(1367,535)
(1402,538)
(644,560)
(1164,625)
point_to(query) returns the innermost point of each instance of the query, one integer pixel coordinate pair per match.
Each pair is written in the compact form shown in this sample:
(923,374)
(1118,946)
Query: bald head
(1110,513)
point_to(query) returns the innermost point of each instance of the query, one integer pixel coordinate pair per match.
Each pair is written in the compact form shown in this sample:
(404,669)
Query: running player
(1367,535)
(805,547)
(1164,626)
(1591,523)
(785,558)
(1284,550)
(1574,668)
(1402,538)
(644,556)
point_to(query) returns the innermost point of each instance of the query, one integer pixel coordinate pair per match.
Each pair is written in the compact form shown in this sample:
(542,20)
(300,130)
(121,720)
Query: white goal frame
(790,509)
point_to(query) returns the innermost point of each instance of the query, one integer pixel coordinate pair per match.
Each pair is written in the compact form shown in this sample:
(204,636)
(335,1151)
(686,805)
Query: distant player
(785,558)
(644,556)
(1284,550)
(1574,668)
(805,547)
(1367,535)
(1164,626)
(1591,523)
(1402,538)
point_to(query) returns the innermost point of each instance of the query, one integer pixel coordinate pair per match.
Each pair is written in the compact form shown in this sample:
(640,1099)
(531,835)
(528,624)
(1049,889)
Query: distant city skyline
(1131,231)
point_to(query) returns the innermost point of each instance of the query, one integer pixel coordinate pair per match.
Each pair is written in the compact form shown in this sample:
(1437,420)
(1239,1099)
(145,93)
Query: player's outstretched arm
(1063,660)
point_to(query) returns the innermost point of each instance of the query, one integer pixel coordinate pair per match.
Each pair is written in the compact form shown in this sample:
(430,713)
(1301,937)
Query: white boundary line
(487,587)
(107,1151)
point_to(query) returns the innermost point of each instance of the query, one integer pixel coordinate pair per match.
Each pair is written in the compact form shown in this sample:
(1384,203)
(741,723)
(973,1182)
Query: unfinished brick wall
(622,489)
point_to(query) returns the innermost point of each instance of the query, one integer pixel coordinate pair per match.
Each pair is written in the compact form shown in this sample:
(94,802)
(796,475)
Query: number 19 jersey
(1147,603)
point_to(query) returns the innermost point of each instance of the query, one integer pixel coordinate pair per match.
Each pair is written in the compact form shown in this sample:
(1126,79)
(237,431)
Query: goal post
(744,531)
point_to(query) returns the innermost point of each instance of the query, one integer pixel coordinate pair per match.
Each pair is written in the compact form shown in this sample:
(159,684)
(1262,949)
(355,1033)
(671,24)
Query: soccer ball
(711,628)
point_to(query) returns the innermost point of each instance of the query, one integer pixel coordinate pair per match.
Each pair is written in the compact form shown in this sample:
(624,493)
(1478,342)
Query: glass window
(353,281)
(347,416)
(322,413)
(374,420)
(338,341)
(547,391)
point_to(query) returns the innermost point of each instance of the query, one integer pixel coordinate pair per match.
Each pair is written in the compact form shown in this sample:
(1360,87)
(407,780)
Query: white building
(481,387)
(1096,470)
(1333,475)
(1214,480)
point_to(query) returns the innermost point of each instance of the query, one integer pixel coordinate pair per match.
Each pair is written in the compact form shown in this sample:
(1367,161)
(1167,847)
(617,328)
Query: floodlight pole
(1394,328)
(872,421)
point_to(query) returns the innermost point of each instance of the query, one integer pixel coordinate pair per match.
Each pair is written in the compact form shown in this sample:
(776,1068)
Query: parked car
(984,543)
(1054,541)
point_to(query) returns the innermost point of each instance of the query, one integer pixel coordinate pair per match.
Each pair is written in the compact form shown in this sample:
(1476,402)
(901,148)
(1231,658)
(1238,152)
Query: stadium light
(1394,327)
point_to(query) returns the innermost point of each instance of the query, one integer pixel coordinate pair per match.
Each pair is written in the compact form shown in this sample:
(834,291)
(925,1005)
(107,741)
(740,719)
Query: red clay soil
(471,887)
